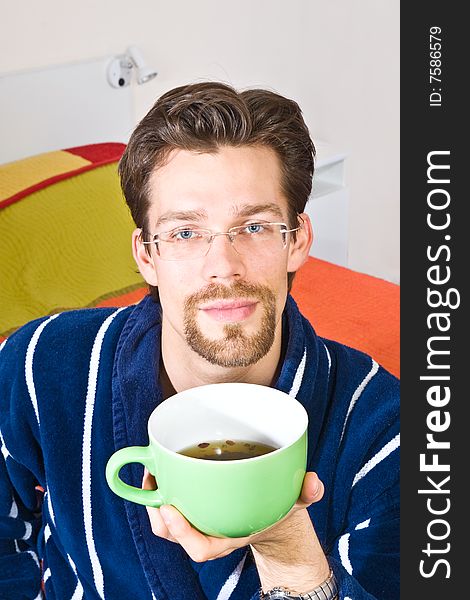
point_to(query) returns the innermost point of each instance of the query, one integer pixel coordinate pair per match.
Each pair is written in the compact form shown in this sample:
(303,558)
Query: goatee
(235,348)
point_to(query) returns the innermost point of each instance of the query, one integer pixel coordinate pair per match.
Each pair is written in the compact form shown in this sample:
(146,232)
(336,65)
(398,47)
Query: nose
(222,261)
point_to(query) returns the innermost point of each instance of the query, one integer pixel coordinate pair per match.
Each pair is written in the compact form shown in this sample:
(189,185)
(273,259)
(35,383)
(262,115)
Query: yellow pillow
(65,234)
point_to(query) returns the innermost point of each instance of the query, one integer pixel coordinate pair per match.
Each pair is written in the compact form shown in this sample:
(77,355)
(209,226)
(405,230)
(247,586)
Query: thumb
(312,490)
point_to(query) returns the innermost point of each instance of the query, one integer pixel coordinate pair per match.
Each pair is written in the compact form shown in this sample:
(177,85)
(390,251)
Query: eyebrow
(248,210)
(181,215)
(245,210)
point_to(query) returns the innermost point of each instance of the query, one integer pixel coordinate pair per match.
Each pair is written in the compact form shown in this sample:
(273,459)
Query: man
(216,182)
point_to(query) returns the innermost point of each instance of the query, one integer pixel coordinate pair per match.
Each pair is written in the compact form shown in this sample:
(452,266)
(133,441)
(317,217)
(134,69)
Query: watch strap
(328,590)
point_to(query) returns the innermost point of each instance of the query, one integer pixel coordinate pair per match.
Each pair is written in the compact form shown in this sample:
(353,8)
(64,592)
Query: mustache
(238,289)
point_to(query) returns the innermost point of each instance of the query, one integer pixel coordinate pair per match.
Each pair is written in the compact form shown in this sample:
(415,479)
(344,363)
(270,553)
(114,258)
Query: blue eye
(186,235)
(254,228)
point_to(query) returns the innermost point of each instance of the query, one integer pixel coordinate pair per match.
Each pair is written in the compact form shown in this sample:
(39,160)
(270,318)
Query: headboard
(60,107)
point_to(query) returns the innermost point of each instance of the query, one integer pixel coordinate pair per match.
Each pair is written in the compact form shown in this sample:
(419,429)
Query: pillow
(66,233)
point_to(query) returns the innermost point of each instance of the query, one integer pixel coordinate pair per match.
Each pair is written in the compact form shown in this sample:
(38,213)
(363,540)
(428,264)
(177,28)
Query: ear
(144,260)
(298,250)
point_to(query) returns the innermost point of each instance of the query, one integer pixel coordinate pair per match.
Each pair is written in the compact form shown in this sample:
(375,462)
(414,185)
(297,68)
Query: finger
(148,481)
(158,525)
(198,546)
(156,522)
(312,490)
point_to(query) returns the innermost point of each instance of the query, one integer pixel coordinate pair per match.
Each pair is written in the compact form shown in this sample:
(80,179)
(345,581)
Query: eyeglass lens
(259,239)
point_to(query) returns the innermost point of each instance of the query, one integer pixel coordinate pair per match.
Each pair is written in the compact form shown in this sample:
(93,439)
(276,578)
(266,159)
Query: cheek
(173,288)
(273,274)
(269,268)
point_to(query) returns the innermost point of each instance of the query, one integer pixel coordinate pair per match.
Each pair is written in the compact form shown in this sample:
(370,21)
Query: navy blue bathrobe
(76,386)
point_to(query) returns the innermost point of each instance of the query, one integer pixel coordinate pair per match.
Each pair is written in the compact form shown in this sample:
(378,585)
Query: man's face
(225,306)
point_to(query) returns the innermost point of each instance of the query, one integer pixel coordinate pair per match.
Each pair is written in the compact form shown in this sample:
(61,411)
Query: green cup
(231,498)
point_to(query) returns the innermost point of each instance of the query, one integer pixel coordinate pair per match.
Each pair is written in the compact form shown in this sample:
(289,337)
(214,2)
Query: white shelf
(328,206)
(327,155)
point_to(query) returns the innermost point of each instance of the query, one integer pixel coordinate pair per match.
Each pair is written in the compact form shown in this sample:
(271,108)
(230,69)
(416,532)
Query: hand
(286,553)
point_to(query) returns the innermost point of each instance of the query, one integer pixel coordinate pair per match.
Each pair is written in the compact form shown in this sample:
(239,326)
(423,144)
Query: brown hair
(202,117)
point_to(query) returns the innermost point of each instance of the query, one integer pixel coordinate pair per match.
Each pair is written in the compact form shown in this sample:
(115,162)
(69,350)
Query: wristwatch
(328,590)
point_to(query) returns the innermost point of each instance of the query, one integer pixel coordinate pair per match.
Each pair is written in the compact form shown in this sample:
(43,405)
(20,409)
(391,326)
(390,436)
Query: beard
(235,348)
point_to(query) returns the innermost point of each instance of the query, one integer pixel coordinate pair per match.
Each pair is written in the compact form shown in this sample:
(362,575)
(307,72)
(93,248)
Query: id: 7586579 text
(435,66)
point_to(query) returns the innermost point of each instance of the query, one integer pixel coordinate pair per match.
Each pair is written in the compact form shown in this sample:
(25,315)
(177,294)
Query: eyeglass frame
(211,235)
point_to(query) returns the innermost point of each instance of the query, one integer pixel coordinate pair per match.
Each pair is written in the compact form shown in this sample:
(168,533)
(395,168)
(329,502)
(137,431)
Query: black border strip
(433,300)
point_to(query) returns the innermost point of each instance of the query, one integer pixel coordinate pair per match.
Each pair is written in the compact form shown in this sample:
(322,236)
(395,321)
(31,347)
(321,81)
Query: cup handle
(132,454)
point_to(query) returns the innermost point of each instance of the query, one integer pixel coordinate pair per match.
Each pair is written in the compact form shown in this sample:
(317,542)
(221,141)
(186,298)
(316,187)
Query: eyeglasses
(185,243)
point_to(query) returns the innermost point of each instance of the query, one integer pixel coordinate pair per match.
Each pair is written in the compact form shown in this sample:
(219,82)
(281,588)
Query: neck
(182,368)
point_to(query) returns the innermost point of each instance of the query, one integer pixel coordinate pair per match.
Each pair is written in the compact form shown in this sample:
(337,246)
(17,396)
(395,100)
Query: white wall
(338,59)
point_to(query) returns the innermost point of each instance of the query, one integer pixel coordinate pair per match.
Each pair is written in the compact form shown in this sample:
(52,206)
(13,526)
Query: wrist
(291,555)
(299,575)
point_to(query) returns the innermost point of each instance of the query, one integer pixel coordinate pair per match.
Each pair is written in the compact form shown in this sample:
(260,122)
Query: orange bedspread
(356,309)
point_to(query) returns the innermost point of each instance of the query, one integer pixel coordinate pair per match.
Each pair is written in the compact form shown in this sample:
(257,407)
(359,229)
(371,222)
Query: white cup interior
(239,411)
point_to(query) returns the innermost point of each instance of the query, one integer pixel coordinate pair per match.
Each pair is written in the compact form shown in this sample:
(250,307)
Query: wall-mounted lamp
(120,68)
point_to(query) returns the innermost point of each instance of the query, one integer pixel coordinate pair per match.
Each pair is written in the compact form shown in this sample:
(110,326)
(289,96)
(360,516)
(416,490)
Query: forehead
(220,183)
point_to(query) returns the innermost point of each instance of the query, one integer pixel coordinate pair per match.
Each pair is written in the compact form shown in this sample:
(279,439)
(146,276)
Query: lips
(229,311)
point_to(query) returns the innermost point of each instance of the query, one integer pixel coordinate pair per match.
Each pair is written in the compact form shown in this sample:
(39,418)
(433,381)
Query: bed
(65,244)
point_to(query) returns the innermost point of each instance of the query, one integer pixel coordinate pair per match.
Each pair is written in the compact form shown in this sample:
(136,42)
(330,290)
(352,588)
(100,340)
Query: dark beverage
(227,450)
